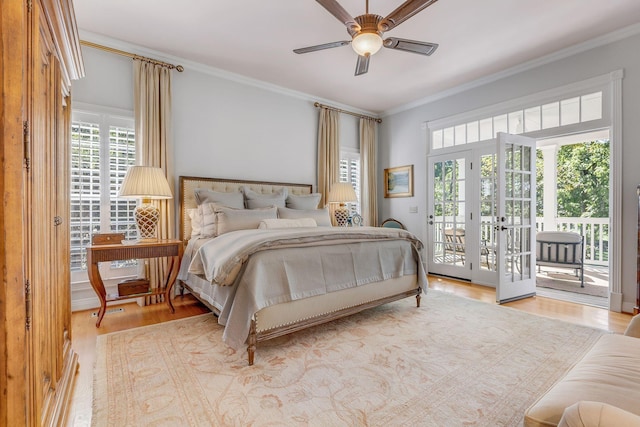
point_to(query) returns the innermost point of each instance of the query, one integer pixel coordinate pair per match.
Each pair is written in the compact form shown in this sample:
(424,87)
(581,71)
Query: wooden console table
(171,249)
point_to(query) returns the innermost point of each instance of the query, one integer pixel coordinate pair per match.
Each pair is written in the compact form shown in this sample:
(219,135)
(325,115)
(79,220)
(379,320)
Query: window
(565,112)
(350,172)
(102,149)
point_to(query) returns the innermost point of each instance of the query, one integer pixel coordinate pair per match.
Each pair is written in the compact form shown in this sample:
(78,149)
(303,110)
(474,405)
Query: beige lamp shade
(146,182)
(342,192)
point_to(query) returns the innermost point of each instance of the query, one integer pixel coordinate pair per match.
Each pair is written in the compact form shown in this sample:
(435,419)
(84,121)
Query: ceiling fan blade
(334,8)
(413,46)
(362,66)
(322,46)
(405,11)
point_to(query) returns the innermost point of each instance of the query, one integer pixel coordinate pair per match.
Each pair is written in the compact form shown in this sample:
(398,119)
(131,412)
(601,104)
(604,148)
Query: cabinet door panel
(52,363)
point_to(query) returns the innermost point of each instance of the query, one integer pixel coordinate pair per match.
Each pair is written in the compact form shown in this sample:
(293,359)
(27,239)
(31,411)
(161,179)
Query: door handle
(57,220)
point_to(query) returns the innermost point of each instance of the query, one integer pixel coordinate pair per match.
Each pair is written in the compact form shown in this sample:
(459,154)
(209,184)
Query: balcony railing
(595,232)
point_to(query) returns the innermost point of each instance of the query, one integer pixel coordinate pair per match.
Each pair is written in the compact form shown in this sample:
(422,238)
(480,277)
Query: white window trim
(117,117)
(599,83)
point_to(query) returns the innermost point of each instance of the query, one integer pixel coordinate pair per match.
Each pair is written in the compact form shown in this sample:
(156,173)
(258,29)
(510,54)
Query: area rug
(451,362)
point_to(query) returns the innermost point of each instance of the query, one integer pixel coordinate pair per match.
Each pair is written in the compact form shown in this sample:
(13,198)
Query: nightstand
(172,249)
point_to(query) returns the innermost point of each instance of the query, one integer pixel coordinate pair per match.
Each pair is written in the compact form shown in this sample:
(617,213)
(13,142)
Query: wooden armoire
(40,56)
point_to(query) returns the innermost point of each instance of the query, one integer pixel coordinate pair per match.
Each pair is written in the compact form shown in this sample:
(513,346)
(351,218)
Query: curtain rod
(318,105)
(180,68)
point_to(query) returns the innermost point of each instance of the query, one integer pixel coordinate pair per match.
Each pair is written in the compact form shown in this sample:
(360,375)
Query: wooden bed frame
(276,321)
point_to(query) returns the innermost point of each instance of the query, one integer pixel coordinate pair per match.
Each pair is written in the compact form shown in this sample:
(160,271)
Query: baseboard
(615,302)
(628,307)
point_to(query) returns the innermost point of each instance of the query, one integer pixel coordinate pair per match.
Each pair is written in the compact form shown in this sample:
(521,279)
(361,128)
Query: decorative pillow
(321,216)
(306,201)
(287,223)
(208,218)
(255,200)
(228,219)
(195,215)
(233,199)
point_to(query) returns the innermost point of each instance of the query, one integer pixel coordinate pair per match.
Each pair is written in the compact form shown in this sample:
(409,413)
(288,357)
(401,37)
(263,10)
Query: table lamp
(342,192)
(145,182)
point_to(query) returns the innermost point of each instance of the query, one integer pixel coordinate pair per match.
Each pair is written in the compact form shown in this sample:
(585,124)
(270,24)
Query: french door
(481,215)
(448,218)
(516,201)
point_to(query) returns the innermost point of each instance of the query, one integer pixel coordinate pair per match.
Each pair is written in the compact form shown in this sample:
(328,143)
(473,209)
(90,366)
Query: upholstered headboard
(188,184)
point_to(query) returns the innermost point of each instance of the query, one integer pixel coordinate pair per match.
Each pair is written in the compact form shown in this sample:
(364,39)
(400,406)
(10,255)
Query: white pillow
(321,216)
(228,219)
(305,201)
(208,215)
(233,199)
(255,200)
(195,215)
(287,223)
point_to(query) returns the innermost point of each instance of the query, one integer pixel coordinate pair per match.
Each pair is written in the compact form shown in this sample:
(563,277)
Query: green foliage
(539,184)
(583,180)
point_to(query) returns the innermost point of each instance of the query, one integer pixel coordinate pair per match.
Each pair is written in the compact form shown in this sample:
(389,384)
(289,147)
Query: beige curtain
(328,153)
(368,172)
(154,147)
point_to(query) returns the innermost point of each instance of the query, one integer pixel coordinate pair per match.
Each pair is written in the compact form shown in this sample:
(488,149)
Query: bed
(295,271)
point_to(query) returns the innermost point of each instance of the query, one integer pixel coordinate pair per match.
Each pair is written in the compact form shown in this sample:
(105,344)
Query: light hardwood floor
(85,332)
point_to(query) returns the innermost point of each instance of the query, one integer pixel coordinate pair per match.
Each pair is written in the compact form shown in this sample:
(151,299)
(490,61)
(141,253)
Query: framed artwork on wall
(398,182)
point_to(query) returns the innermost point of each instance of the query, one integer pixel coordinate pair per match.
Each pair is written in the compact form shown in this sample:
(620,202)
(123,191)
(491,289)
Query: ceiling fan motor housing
(368,24)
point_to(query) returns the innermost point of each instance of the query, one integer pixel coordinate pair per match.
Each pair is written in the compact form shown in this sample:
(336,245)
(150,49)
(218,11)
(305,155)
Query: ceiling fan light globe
(366,43)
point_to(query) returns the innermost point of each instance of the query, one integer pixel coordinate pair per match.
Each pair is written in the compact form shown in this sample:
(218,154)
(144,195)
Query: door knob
(57,220)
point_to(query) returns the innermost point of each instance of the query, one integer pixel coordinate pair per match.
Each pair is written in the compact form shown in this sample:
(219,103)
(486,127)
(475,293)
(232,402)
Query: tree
(583,180)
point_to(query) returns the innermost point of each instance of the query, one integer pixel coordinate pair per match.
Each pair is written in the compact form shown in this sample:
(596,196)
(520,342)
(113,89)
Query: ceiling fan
(366,31)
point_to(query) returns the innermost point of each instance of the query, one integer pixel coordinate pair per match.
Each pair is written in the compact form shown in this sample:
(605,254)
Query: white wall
(222,128)
(403,139)
(108,81)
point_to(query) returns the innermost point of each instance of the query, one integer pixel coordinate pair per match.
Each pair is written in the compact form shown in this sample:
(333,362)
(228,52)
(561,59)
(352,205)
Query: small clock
(356,220)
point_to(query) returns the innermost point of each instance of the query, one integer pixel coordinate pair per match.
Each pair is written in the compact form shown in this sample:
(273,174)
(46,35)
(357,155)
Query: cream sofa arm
(633,329)
(597,414)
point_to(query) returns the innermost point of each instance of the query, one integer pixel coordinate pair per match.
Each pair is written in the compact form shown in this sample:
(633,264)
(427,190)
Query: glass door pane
(447,220)
(488,213)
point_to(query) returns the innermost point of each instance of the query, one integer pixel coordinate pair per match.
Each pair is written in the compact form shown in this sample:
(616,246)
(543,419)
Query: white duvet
(267,267)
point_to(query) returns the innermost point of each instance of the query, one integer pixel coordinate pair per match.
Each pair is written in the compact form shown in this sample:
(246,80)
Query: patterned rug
(452,362)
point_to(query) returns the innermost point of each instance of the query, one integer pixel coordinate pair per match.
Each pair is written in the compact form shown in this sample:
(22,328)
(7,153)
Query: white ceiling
(255,38)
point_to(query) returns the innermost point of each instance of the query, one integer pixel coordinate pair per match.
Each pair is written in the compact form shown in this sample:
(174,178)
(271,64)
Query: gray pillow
(255,200)
(233,199)
(228,219)
(322,217)
(305,201)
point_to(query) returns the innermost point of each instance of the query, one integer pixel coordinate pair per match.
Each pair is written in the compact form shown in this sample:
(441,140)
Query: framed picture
(398,182)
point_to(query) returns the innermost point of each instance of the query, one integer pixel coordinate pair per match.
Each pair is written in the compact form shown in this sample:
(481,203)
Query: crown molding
(605,39)
(213,71)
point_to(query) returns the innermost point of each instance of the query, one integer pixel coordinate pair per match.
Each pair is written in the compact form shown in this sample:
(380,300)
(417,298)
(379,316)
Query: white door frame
(611,85)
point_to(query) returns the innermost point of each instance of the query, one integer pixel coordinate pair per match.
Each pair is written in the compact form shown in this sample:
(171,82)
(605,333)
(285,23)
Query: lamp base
(147,216)
(342,216)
